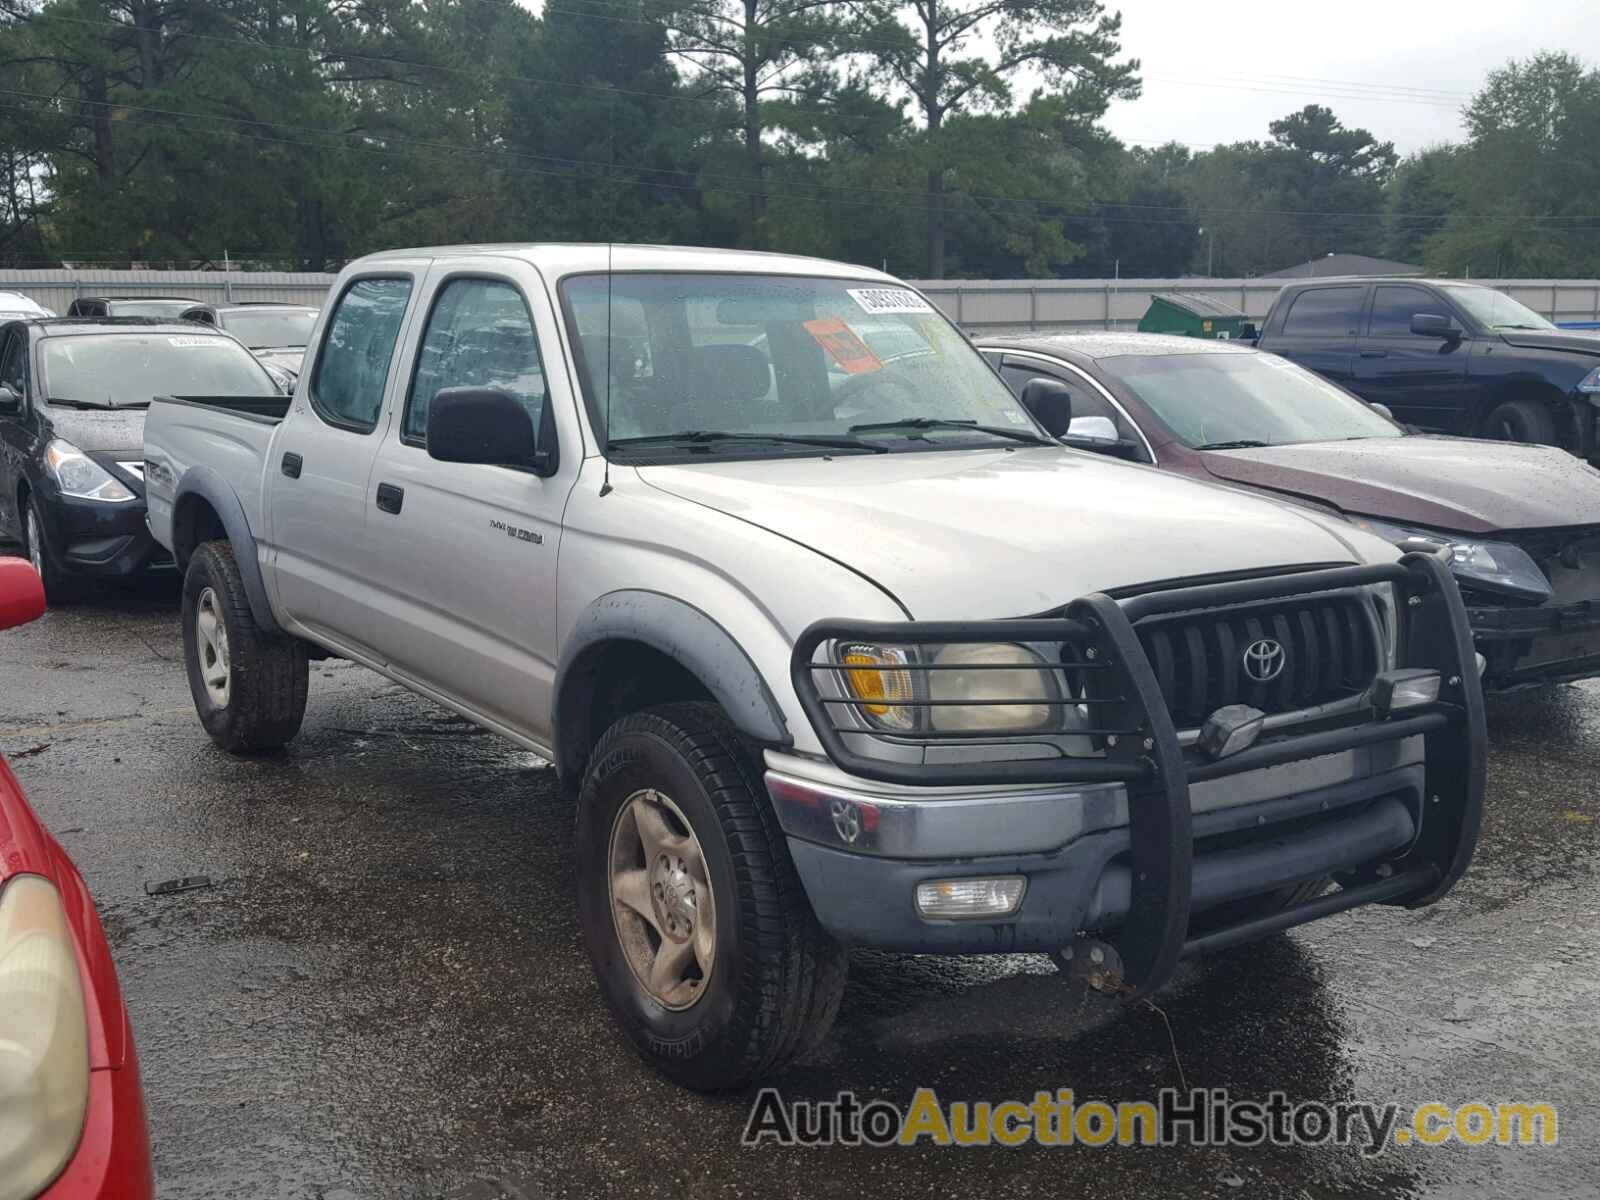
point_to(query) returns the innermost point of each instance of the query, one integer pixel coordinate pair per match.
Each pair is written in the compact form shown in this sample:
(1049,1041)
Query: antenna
(611,155)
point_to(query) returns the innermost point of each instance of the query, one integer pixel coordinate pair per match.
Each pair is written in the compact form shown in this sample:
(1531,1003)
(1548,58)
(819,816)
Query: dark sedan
(276,333)
(72,401)
(1519,524)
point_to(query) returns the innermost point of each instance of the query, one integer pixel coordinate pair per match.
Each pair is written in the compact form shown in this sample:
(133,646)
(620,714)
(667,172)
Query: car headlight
(78,475)
(963,692)
(1590,383)
(1497,566)
(44,1039)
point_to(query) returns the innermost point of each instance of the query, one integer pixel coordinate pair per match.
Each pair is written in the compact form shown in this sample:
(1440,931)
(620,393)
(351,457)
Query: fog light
(952,899)
(1409,688)
(1231,729)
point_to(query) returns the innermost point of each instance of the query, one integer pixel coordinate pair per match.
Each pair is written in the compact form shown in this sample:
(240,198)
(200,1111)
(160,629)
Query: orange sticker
(843,346)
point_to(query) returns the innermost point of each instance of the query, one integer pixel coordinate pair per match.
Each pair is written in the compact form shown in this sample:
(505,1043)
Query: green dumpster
(1189,315)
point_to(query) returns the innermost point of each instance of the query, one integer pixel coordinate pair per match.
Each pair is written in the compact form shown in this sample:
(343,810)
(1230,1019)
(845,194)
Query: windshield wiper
(97,405)
(1239,444)
(1016,435)
(708,437)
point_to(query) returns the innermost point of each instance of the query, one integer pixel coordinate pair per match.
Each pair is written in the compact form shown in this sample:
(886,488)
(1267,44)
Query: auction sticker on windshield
(196,341)
(844,346)
(889,300)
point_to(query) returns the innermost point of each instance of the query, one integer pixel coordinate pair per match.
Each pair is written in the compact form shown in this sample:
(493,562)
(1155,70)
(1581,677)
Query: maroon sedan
(1519,524)
(72,1119)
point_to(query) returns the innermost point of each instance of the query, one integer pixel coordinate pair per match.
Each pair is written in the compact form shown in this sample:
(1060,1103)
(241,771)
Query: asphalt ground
(382,992)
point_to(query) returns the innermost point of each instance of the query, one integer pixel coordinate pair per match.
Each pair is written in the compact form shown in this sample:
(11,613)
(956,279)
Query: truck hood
(1457,484)
(975,534)
(1553,339)
(95,429)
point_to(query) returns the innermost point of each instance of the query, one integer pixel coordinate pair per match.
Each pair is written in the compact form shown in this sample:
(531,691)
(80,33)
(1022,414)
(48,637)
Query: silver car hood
(994,533)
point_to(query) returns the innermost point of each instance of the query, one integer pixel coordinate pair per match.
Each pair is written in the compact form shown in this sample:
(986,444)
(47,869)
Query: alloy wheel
(211,642)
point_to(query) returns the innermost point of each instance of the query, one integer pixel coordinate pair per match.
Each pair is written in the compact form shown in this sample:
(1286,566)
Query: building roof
(1201,306)
(1345,264)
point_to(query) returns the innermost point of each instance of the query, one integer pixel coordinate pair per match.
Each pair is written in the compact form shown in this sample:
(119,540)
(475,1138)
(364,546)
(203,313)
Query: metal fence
(1001,305)
(56,290)
(980,305)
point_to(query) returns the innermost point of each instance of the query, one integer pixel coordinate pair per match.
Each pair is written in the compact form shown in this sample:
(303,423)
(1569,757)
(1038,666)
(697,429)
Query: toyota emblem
(1264,660)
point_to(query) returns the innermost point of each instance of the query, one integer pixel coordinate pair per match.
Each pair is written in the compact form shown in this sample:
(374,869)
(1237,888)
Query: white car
(837,649)
(14,306)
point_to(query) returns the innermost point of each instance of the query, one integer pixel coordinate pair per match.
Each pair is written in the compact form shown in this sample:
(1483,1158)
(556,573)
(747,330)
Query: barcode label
(889,300)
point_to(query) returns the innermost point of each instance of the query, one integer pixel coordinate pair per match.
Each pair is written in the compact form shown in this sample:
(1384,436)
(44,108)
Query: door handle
(1374,354)
(390,498)
(292,463)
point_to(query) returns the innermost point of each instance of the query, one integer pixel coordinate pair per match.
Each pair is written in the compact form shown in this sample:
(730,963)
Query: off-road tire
(267,671)
(1526,421)
(777,977)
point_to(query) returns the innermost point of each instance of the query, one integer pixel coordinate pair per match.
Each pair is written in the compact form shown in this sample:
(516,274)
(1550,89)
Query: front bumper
(1532,647)
(94,538)
(1131,843)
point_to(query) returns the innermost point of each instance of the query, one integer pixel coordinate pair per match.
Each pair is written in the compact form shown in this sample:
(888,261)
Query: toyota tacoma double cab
(834,645)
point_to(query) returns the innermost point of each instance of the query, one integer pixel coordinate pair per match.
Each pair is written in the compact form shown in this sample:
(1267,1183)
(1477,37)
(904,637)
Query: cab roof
(61,326)
(569,258)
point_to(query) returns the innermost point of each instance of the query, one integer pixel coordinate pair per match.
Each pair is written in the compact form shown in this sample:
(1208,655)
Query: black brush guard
(1141,748)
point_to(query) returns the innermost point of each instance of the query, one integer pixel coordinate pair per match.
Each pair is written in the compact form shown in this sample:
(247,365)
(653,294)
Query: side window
(1086,401)
(1394,306)
(347,389)
(479,335)
(1323,312)
(14,364)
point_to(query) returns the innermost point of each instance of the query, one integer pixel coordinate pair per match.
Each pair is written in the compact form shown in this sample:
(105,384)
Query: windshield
(167,309)
(128,370)
(264,330)
(780,357)
(1217,401)
(1495,310)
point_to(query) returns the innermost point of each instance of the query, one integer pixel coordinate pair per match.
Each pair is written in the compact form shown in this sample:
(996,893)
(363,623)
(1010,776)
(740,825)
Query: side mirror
(1381,409)
(21,593)
(481,425)
(1433,325)
(1050,403)
(10,402)
(1092,432)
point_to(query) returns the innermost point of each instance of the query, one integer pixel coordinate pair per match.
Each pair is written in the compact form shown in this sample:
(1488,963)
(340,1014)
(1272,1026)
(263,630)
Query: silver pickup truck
(835,646)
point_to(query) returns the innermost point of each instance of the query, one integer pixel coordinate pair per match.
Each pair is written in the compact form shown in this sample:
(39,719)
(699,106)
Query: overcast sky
(1401,68)
(1219,72)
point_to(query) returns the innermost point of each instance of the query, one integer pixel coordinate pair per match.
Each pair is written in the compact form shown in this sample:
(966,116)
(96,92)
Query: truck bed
(230,436)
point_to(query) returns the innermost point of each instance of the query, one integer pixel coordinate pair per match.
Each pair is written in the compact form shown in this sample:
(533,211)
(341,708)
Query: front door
(321,461)
(1423,380)
(466,553)
(1319,330)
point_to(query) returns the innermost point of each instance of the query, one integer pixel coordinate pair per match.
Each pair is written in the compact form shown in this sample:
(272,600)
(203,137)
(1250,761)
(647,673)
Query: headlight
(1497,566)
(960,695)
(1590,383)
(80,476)
(44,1039)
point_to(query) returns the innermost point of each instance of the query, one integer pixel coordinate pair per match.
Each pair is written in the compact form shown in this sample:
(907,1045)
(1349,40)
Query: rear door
(321,461)
(465,553)
(1319,329)
(1423,380)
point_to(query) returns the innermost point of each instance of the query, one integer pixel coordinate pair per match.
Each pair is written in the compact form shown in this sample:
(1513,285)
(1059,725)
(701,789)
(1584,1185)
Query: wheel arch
(206,508)
(634,649)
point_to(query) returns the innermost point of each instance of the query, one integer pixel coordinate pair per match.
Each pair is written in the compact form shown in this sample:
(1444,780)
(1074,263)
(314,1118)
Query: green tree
(959,59)
(1418,200)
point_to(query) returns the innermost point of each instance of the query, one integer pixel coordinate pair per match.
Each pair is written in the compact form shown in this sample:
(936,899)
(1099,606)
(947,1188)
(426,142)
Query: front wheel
(56,587)
(1522,421)
(249,686)
(705,947)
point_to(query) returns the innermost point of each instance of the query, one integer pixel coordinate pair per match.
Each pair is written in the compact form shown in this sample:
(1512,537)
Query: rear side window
(1394,306)
(1324,312)
(479,335)
(347,389)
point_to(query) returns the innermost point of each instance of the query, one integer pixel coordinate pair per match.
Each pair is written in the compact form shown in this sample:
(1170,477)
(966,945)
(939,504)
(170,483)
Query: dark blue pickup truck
(1445,356)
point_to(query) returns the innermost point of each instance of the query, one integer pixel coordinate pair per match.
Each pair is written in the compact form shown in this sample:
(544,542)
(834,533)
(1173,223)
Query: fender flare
(683,633)
(204,482)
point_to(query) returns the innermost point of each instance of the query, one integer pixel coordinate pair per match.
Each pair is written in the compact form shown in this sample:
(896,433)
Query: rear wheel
(1522,421)
(705,947)
(249,686)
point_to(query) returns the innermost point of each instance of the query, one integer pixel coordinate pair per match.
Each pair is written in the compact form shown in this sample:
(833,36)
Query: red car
(72,1120)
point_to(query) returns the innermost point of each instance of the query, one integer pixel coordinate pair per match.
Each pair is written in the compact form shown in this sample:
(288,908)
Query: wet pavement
(383,992)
